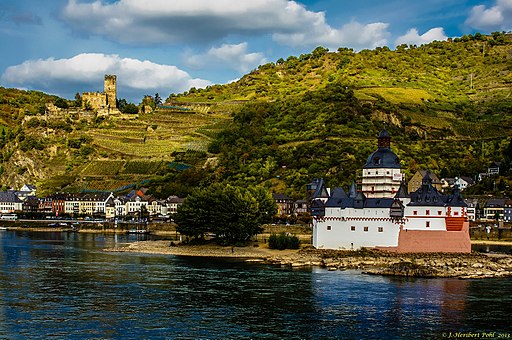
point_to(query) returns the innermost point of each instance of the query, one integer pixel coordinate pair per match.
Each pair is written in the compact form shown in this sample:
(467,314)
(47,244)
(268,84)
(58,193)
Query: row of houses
(491,209)
(74,204)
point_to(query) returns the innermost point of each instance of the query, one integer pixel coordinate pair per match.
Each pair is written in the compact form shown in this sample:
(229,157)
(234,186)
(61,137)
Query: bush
(283,241)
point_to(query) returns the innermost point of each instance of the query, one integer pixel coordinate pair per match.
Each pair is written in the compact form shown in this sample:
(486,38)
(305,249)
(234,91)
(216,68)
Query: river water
(62,285)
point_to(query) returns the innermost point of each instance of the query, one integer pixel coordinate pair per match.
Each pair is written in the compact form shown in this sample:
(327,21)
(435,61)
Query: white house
(9,202)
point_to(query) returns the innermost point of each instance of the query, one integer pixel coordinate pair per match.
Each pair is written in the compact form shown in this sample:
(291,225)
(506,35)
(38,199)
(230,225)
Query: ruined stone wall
(97,100)
(110,88)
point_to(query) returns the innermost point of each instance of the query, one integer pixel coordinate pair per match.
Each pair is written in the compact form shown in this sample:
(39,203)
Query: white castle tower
(381,173)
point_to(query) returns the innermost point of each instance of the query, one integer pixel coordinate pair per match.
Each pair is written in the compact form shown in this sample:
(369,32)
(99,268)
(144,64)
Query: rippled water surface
(62,285)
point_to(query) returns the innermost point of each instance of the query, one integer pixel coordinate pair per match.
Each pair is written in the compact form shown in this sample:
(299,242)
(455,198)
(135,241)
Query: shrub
(283,241)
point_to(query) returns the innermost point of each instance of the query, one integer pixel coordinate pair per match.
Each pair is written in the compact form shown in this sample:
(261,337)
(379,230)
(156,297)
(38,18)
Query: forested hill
(447,106)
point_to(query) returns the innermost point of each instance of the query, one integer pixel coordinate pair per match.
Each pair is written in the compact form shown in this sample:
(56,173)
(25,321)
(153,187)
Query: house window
(365,228)
(428,224)
(439,212)
(415,213)
(381,229)
(353,228)
(427,212)
(328,227)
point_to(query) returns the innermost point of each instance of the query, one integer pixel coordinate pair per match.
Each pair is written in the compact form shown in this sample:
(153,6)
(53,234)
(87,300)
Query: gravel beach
(474,265)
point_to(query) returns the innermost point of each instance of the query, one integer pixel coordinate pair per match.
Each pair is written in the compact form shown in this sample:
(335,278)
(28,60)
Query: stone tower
(111,90)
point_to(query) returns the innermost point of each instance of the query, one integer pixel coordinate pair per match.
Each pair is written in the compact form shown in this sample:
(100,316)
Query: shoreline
(427,265)
(489,242)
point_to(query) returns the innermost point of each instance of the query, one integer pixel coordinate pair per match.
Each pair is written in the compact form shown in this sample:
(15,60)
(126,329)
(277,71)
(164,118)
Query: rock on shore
(474,265)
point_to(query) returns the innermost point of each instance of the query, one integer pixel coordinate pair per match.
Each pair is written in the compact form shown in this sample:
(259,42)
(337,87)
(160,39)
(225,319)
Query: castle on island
(384,215)
(103,102)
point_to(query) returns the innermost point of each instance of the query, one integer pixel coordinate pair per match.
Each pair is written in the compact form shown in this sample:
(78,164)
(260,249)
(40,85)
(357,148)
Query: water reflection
(63,285)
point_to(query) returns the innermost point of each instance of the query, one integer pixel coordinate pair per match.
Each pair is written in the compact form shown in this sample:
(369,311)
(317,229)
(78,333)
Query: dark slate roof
(402,191)
(382,158)
(352,192)
(455,199)
(321,189)
(378,202)
(9,196)
(384,134)
(360,202)
(337,196)
(495,203)
(427,195)
(281,197)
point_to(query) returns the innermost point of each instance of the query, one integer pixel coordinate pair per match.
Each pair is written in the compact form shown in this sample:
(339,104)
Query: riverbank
(474,265)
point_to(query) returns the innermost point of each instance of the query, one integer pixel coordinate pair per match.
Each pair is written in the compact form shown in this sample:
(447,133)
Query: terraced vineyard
(159,134)
(145,146)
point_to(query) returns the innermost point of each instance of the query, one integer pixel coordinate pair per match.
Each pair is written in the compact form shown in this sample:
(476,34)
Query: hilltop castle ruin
(102,102)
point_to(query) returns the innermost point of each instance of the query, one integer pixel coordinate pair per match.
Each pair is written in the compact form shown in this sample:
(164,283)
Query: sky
(63,47)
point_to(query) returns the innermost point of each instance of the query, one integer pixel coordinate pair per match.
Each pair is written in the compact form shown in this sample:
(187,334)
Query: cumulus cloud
(412,37)
(353,34)
(497,17)
(84,72)
(233,56)
(162,21)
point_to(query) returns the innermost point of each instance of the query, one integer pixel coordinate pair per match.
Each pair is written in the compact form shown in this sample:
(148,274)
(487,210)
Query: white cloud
(233,56)
(84,71)
(497,17)
(412,37)
(162,21)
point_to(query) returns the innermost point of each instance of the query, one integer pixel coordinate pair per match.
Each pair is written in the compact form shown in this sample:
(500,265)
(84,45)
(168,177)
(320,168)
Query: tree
(78,100)
(61,103)
(130,109)
(234,214)
(158,99)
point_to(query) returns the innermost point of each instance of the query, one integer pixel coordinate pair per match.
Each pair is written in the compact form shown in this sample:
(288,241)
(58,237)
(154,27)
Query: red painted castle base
(432,241)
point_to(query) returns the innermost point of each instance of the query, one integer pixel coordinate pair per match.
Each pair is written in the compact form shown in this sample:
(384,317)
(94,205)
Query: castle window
(365,228)
(381,229)
(415,213)
(456,213)
(428,224)
(439,212)
(353,228)
(328,227)
(427,212)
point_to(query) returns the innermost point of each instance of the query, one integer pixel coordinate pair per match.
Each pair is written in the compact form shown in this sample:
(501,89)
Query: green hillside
(446,104)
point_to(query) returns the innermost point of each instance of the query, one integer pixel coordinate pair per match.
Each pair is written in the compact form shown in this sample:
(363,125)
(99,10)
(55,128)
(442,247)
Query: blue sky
(167,46)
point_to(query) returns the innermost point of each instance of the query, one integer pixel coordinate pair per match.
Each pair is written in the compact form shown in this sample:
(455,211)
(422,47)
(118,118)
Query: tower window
(365,228)
(328,227)
(353,228)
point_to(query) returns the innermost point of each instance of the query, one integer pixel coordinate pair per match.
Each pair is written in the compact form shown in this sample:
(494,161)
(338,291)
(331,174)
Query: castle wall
(355,233)
(435,241)
(97,100)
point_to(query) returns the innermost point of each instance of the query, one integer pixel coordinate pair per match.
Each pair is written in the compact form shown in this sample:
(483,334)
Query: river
(62,285)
